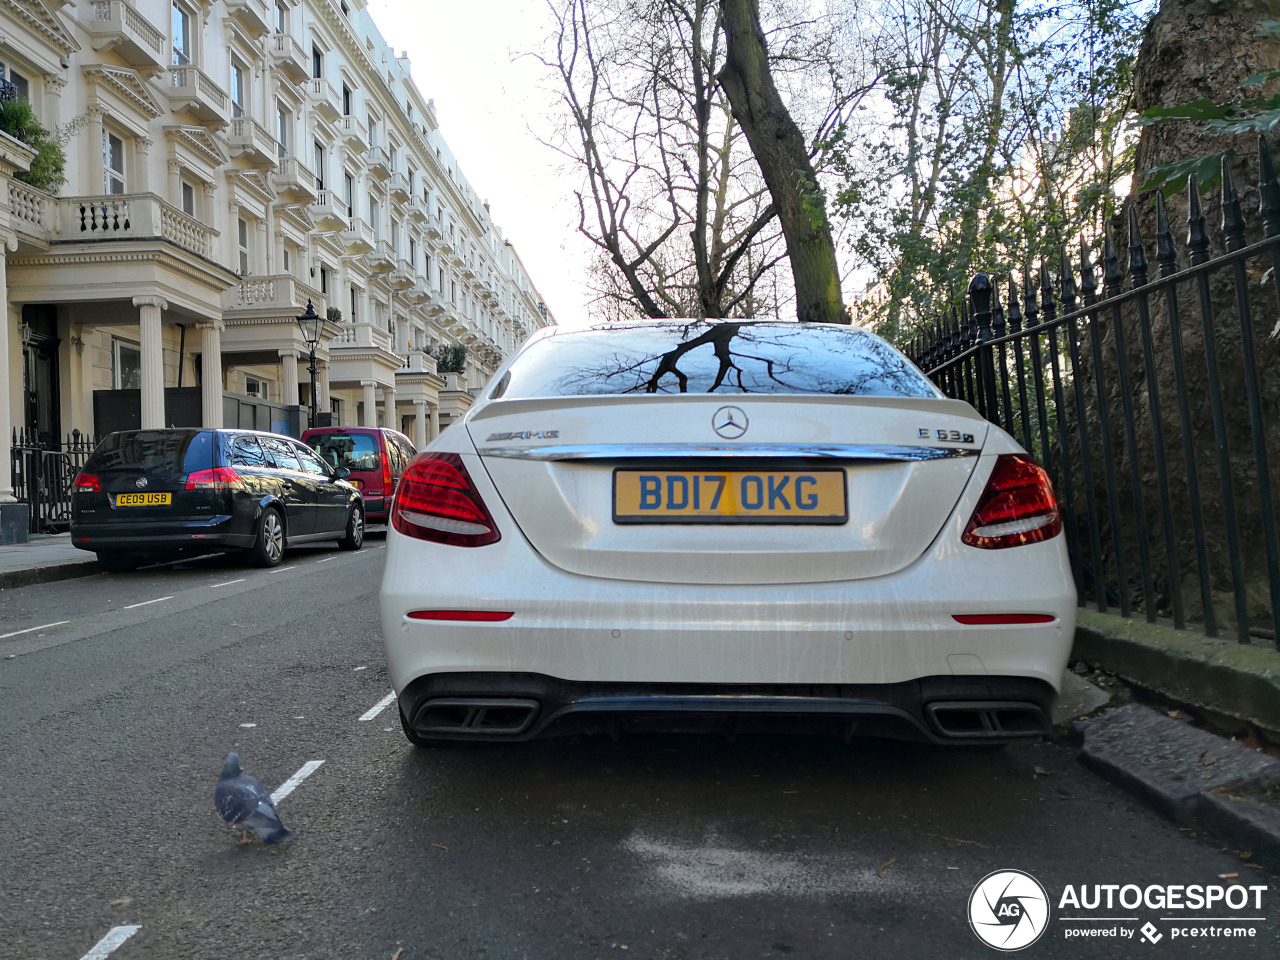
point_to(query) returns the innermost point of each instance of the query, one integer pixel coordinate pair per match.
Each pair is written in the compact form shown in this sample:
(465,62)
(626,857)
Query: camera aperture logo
(1008,910)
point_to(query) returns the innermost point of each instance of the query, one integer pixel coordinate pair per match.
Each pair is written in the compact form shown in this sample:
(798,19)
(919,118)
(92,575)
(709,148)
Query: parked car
(151,494)
(376,456)
(674,525)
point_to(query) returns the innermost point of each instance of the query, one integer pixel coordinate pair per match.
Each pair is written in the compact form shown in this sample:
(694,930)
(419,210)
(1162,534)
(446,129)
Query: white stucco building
(226,162)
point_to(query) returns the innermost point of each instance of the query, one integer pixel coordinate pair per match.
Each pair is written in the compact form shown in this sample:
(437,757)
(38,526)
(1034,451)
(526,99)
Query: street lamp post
(312,324)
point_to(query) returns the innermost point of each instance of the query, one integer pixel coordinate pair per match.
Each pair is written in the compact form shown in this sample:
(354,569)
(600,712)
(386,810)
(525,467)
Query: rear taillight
(1017,507)
(218,478)
(436,500)
(386,473)
(87,483)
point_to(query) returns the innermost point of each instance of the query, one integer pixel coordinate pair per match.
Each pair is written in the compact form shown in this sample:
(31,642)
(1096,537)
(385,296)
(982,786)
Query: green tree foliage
(19,121)
(999,134)
(451,358)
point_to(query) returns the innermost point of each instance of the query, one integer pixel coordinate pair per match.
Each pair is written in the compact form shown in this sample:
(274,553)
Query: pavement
(1234,794)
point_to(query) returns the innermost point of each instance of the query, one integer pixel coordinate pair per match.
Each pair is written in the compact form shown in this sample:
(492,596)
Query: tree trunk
(780,149)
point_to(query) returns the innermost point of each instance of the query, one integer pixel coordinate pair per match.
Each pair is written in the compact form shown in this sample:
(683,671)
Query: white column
(211,373)
(389,406)
(7,332)
(435,421)
(419,423)
(370,403)
(152,360)
(289,371)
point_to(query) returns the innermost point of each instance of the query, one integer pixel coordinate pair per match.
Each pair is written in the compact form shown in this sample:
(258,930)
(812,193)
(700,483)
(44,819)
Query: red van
(376,457)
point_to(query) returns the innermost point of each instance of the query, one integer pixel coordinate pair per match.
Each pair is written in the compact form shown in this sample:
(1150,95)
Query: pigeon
(244,803)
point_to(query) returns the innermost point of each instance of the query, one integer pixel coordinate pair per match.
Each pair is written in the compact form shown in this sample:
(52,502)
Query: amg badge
(525,435)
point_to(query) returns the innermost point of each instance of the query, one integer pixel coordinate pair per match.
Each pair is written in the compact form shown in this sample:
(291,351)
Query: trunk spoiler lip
(668,451)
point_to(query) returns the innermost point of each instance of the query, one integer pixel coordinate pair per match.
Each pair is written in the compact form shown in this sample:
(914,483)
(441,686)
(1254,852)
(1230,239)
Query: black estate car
(146,495)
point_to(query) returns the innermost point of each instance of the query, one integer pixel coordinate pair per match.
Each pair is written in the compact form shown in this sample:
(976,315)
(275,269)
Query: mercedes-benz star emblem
(729,422)
(140,482)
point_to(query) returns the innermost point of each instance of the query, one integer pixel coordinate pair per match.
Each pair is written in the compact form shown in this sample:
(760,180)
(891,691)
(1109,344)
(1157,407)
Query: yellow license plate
(143,499)
(729,496)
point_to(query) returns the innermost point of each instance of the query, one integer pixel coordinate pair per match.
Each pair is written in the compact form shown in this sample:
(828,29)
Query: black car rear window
(355,451)
(154,452)
(704,357)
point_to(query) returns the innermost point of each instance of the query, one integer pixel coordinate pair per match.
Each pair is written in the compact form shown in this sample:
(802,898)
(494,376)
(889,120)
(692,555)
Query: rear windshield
(355,451)
(154,452)
(700,357)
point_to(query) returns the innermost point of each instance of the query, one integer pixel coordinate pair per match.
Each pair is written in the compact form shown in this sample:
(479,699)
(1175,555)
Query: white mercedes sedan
(727,527)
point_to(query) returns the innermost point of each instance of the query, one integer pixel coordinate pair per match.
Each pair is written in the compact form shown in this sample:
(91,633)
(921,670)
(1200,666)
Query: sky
(489,101)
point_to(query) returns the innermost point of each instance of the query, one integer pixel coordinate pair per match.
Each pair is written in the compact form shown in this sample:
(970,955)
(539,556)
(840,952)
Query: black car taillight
(217,478)
(87,483)
(1017,507)
(437,500)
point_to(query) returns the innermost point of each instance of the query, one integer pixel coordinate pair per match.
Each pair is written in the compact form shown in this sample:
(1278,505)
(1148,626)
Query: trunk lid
(904,463)
(137,463)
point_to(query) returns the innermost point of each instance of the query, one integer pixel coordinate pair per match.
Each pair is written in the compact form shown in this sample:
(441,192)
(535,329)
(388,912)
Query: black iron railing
(1155,406)
(42,477)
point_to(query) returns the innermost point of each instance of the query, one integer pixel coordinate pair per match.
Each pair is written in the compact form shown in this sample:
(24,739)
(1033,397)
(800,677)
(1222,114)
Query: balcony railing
(353,133)
(252,14)
(295,180)
(399,187)
(323,97)
(190,88)
(288,55)
(362,335)
(250,138)
(417,210)
(283,293)
(379,163)
(383,258)
(358,236)
(433,227)
(402,277)
(140,216)
(30,210)
(328,211)
(117,25)
(416,361)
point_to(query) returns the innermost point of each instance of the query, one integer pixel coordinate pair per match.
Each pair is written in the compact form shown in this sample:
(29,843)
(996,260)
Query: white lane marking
(108,944)
(16,633)
(279,569)
(358,669)
(286,788)
(215,586)
(147,602)
(326,559)
(378,707)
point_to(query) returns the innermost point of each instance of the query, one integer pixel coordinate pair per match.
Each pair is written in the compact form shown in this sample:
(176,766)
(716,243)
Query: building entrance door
(41,398)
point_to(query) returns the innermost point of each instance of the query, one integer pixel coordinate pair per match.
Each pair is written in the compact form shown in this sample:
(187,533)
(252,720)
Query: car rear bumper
(214,533)
(500,707)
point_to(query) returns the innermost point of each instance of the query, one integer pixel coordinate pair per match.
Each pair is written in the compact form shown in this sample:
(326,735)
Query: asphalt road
(116,723)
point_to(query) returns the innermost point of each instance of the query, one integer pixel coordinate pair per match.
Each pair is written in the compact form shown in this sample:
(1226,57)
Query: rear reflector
(986,618)
(474,616)
(1017,506)
(437,500)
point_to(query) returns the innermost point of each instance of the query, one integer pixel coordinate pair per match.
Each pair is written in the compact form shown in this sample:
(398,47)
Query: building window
(335,408)
(112,163)
(426,272)
(188,199)
(413,253)
(346,11)
(349,192)
(318,160)
(317,62)
(284,125)
(126,365)
(182,52)
(13,85)
(324,279)
(355,298)
(239,89)
(256,387)
(346,100)
(288,268)
(242,240)
(373,221)
(282,18)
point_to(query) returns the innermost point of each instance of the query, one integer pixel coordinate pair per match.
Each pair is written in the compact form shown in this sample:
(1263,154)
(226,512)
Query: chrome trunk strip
(646,451)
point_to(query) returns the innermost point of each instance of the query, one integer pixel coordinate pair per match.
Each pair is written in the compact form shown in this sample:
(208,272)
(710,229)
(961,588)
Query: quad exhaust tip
(476,716)
(976,720)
